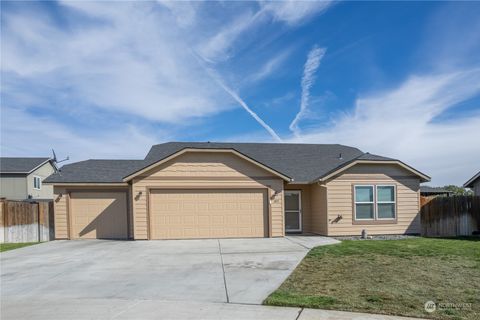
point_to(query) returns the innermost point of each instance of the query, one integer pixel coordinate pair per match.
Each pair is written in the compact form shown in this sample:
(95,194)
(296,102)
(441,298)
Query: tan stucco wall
(206,170)
(340,199)
(46,191)
(13,187)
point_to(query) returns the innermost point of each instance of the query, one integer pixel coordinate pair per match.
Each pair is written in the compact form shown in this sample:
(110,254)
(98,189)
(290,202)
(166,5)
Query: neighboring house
(22,178)
(474,184)
(427,191)
(228,190)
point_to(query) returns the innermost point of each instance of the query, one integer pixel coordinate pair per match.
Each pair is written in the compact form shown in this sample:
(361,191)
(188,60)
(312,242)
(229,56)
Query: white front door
(293,211)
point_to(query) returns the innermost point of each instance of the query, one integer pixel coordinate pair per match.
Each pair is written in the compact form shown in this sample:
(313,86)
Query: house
(427,191)
(474,184)
(22,178)
(184,190)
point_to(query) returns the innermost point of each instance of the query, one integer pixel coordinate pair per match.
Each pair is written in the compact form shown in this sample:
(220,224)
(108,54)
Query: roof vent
(340,157)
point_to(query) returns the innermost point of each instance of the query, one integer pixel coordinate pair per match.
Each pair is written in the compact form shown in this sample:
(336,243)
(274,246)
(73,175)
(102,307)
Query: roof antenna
(54,158)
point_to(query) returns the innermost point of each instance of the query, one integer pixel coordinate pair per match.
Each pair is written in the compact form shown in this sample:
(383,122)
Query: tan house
(474,184)
(22,178)
(228,190)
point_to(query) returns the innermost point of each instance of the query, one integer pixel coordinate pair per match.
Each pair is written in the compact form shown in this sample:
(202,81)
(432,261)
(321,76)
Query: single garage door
(99,215)
(190,214)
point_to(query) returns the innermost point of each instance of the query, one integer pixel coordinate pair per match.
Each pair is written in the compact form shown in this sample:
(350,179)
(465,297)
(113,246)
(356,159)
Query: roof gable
(185,150)
(471,181)
(374,159)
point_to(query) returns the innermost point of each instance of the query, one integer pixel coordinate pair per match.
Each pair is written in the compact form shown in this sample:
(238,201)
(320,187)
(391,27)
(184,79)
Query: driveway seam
(128,308)
(297,243)
(299,313)
(223,271)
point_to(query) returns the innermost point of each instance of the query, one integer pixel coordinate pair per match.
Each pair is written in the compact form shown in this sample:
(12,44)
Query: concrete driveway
(228,270)
(191,279)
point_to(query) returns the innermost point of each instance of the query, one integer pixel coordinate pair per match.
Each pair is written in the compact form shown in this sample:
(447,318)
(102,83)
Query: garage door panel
(99,215)
(185,214)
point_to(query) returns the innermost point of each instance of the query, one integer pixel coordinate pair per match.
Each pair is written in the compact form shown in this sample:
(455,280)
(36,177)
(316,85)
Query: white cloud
(311,65)
(401,123)
(24,134)
(220,46)
(128,58)
(269,67)
(294,12)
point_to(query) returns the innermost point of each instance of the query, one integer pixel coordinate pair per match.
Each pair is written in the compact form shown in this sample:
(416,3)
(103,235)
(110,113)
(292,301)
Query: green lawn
(393,277)
(11,246)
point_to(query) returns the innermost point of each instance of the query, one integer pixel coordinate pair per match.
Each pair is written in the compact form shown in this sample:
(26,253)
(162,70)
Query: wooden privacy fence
(24,221)
(450,216)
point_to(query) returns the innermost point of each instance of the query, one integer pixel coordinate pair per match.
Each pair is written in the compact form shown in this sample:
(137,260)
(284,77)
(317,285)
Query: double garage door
(173,214)
(190,214)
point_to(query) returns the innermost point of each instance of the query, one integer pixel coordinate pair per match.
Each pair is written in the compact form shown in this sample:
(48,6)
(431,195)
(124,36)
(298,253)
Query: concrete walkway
(82,309)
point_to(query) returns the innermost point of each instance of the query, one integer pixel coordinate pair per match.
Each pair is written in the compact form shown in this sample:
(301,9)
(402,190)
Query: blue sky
(103,80)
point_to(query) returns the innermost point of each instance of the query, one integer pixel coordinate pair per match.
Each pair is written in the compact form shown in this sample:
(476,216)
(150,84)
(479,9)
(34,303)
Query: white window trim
(375,202)
(394,202)
(355,202)
(299,210)
(39,182)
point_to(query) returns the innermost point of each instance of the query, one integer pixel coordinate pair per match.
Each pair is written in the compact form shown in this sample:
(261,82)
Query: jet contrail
(313,61)
(250,111)
(237,98)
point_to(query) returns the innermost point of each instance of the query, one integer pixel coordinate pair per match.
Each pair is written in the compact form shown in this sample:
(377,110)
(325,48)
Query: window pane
(363,194)
(385,193)
(386,210)
(364,211)
(291,201)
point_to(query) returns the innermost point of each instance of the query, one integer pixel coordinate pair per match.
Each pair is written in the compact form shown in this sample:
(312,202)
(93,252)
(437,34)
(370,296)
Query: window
(364,204)
(37,183)
(385,202)
(374,202)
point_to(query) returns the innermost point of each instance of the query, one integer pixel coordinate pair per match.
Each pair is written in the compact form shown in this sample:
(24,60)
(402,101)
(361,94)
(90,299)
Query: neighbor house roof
(303,163)
(471,181)
(21,165)
(434,190)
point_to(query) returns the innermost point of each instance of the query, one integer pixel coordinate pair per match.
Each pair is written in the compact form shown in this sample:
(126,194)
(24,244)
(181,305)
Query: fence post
(38,222)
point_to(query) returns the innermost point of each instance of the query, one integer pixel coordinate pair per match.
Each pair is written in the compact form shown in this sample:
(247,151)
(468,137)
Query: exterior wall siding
(476,188)
(319,209)
(46,191)
(60,209)
(13,187)
(206,170)
(340,200)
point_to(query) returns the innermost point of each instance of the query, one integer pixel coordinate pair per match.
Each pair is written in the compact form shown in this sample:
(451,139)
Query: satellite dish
(54,158)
